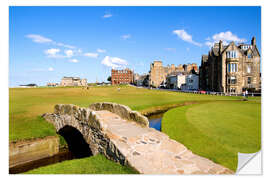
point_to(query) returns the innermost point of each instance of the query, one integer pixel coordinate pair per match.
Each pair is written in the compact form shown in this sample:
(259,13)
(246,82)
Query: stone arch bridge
(123,135)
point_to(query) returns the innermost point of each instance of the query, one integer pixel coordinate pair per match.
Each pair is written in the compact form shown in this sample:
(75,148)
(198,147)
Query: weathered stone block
(57,108)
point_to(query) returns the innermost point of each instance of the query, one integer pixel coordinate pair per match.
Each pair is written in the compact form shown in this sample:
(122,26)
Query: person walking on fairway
(246,93)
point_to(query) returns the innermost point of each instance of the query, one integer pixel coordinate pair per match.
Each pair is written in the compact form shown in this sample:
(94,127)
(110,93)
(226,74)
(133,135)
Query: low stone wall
(121,110)
(30,150)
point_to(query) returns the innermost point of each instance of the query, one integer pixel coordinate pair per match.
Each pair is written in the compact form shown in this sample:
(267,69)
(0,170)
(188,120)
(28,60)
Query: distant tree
(109,78)
(146,80)
(30,85)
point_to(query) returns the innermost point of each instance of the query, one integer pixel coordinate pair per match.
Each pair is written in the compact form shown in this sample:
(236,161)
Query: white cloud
(42,69)
(101,50)
(107,15)
(38,38)
(114,62)
(210,44)
(126,36)
(182,34)
(226,37)
(53,52)
(74,60)
(91,55)
(64,45)
(41,39)
(50,69)
(69,53)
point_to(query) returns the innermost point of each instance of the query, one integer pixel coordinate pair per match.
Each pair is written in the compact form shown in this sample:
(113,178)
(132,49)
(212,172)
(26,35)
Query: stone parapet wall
(121,110)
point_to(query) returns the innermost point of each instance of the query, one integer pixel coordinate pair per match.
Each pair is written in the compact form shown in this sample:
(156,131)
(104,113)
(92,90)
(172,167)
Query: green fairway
(92,165)
(217,130)
(27,104)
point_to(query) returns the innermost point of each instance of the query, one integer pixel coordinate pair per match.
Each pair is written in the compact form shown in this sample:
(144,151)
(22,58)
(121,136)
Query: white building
(192,82)
(175,81)
(183,81)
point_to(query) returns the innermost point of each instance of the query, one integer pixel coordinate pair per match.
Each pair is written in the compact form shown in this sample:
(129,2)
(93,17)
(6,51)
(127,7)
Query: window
(248,69)
(249,56)
(232,67)
(231,54)
(245,47)
(232,80)
(249,80)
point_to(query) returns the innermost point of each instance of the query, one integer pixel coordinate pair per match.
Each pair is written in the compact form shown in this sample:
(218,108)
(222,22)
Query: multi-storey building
(175,81)
(231,68)
(192,82)
(183,81)
(73,81)
(158,73)
(124,76)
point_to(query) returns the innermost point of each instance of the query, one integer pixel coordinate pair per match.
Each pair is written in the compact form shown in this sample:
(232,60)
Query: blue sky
(47,43)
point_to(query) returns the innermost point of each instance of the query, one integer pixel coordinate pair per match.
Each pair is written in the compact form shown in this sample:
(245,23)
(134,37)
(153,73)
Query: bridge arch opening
(76,143)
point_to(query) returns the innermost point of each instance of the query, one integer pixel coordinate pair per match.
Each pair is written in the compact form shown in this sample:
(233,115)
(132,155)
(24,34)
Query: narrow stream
(155,121)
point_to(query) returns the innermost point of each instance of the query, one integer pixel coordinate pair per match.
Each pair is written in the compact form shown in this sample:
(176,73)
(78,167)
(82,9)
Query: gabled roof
(232,43)
(215,50)
(255,51)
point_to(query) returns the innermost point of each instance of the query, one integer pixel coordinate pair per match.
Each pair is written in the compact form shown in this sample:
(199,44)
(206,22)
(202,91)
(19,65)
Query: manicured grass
(217,130)
(27,104)
(92,165)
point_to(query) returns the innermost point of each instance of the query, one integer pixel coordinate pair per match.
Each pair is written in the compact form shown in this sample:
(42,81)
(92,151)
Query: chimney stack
(220,46)
(253,41)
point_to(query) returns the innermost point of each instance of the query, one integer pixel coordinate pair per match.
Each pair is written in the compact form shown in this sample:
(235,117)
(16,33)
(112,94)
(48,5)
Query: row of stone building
(159,74)
(227,68)
(230,68)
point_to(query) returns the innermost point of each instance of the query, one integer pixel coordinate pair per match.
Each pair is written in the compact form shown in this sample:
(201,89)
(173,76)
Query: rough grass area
(92,165)
(27,104)
(217,130)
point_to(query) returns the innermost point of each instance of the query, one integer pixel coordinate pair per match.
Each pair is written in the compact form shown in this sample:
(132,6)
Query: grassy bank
(92,165)
(217,130)
(27,104)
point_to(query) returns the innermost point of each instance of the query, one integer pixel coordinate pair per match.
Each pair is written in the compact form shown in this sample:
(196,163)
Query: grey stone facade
(158,72)
(231,68)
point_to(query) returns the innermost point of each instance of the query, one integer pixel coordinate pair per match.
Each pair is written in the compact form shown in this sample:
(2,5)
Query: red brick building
(124,76)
